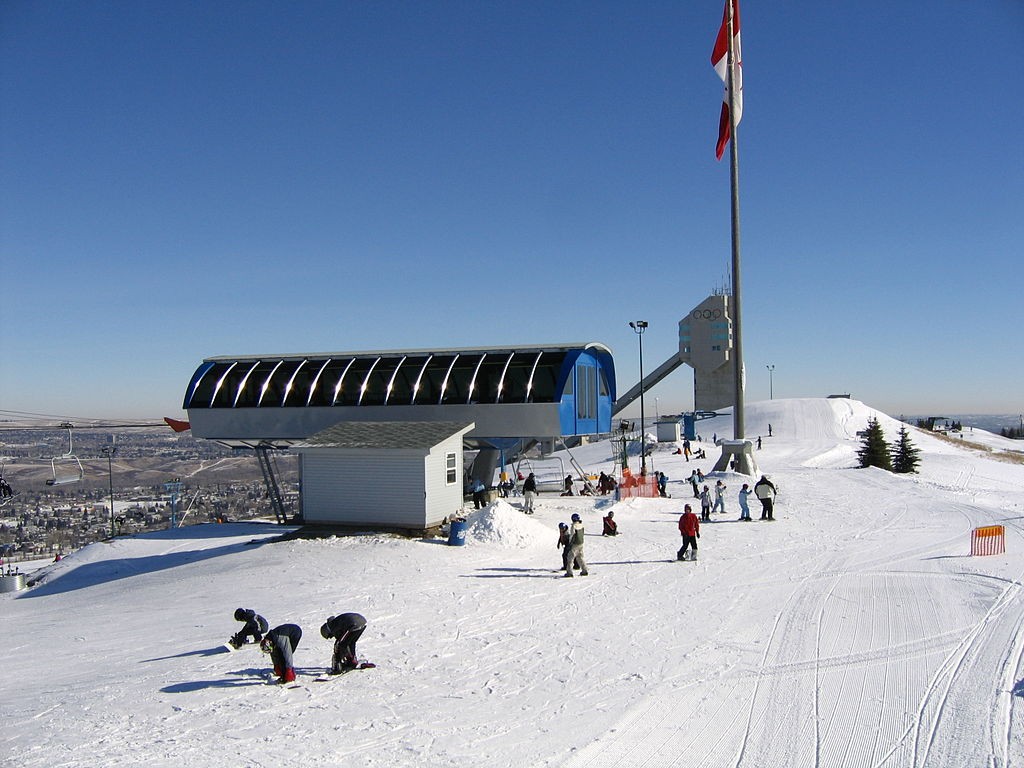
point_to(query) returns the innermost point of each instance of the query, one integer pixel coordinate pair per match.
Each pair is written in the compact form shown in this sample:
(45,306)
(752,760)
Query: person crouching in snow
(575,547)
(689,529)
(255,627)
(610,526)
(281,643)
(345,629)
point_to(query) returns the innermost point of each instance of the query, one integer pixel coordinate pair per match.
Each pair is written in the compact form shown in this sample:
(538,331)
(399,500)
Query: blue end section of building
(588,393)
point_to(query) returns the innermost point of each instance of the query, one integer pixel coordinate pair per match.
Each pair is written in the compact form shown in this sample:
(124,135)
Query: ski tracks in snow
(878,639)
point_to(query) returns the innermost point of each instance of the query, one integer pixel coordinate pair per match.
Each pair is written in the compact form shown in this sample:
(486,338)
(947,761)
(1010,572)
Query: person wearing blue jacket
(479,490)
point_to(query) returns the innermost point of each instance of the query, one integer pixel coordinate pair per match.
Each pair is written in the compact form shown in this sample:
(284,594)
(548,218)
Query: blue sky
(187,179)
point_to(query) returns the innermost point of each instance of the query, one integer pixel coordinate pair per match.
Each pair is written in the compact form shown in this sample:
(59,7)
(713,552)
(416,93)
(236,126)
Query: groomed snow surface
(855,630)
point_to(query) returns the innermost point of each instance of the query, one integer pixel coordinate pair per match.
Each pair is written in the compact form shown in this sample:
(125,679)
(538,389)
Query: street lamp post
(109,453)
(639,326)
(771,388)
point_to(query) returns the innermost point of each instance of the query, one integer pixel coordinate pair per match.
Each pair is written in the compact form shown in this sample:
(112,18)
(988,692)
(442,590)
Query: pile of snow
(503,525)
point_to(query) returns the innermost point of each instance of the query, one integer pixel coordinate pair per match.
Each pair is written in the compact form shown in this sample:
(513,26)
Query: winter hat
(325,630)
(241,614)
(563,526)
(575,518)
(267,645)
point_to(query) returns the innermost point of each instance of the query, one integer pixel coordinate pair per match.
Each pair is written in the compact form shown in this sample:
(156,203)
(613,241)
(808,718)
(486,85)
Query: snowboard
(278,684)
(328,677)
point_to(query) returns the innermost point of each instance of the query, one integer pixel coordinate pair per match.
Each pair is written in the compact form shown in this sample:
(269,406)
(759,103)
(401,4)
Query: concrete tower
(705,344)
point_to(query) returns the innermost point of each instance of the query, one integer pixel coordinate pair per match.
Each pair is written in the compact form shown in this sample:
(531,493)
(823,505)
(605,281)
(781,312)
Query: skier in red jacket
(689,529)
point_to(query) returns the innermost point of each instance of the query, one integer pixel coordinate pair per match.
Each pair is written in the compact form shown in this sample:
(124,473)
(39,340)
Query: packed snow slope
(855,630)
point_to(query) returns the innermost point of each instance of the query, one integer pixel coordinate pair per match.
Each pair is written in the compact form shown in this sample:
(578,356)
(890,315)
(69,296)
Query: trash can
(457,532)
(16,582)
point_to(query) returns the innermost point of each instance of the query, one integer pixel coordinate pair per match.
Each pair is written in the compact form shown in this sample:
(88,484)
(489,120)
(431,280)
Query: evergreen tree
(874,451)
(905,457)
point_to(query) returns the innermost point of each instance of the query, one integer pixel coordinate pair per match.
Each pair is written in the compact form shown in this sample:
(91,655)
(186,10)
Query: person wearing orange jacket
(689,529)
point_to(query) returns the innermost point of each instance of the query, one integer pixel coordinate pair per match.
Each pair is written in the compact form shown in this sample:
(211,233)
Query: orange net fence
(633,486)
(988,540)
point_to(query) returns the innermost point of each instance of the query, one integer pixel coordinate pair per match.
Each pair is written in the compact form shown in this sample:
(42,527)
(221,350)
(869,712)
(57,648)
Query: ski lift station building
(359,419)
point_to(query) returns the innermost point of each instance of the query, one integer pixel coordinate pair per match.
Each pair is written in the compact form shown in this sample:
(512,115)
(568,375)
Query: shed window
(451,475)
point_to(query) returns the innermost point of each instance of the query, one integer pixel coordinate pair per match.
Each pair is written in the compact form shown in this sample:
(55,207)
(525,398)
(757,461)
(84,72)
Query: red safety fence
(633,487)
(988,540)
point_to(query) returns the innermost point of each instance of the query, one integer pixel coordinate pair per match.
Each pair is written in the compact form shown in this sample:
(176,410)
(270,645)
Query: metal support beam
(263,456)
(649,381)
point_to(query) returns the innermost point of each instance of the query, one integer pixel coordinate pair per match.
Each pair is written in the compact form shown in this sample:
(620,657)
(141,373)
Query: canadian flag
(720,61)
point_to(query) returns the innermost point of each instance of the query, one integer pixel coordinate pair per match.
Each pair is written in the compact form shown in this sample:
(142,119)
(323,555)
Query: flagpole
(738,421)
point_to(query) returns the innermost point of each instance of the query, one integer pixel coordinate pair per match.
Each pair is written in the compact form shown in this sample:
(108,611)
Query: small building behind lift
(402,475)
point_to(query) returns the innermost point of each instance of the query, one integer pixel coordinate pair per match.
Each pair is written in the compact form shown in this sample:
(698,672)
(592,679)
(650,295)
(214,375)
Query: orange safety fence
(632,487)
(988,540)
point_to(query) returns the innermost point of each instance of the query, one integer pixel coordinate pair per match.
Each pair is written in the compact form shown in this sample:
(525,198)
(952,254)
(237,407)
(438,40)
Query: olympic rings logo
(706,314)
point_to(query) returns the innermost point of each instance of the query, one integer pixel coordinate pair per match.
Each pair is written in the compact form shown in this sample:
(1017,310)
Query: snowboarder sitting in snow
(255,627)
(281,643)
(345,629)
(568,486)
(610,526)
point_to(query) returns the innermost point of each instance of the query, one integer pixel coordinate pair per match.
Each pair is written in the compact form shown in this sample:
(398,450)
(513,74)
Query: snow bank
(502,524)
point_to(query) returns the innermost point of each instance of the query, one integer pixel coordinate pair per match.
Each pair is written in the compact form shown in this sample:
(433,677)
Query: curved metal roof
(590,345)
(468,375)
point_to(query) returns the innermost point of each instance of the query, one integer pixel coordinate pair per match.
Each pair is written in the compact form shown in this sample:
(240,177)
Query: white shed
(385,474)
(668,430)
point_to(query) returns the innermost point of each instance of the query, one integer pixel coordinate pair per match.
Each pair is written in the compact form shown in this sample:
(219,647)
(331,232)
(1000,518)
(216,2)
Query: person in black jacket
(346,629)
(281,643)
(765,490)
(255,627)
(529,493)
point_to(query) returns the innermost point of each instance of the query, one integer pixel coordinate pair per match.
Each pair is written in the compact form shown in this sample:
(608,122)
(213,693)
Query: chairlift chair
(66,468)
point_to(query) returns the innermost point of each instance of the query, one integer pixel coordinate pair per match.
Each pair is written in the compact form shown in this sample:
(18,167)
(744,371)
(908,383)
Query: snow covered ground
(854,631)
